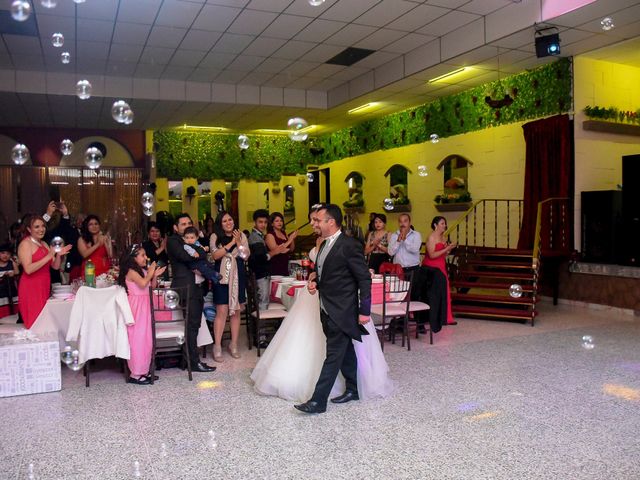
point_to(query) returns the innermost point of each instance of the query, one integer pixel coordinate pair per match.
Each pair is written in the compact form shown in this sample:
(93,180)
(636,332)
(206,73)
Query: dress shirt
(407,252)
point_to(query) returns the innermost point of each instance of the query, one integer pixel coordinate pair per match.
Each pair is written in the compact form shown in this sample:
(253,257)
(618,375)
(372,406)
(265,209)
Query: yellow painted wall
(498,156)
(598,156)
(162,194)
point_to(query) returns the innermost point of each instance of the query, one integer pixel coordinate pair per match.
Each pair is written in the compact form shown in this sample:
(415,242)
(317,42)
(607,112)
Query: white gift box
(29,365)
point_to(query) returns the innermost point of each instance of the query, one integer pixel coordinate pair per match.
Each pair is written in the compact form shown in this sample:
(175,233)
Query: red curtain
(548,169)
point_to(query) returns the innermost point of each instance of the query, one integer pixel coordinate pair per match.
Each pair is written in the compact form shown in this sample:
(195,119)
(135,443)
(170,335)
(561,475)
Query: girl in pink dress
(136,280)
(35,258)
(436,256)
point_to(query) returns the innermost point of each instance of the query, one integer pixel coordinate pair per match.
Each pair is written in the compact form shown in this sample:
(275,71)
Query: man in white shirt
(404,244)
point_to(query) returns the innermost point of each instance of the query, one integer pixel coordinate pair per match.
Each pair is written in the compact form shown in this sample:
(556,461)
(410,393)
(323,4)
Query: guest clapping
(35,258)
(377,246)
(229,295)
(156,246)
(405,244)
(94,245)
(279,242)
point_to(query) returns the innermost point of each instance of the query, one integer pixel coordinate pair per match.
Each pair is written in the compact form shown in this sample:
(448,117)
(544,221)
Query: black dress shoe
(421,329)
(346,397)
(311,407)
(202,367)
(139,381)
(452,323)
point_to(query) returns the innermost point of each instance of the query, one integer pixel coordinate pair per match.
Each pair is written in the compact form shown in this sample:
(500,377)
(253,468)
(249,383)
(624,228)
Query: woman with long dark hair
(278,240)
(94,245)
(377,246)
(228,246)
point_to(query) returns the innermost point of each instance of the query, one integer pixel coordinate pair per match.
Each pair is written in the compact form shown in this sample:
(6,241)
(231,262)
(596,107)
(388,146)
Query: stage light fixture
(547,45)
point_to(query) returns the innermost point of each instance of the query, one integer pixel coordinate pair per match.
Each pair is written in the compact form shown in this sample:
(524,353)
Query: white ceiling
(249,64)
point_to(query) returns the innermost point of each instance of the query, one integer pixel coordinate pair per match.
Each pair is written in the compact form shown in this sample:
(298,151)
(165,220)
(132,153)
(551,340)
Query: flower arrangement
(612,114)
(463,197)
(105,280)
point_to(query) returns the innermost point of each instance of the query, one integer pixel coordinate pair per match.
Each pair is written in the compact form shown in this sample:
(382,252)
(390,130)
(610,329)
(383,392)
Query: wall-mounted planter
(401,208)
(453,207)
(611,127)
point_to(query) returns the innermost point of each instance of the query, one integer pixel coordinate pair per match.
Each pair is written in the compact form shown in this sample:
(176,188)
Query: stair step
(489,286)
(500,252)
(491,312)
(486,274)
(477,298)
(499,264)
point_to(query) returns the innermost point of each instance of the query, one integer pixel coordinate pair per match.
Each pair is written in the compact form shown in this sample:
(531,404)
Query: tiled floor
(487,400)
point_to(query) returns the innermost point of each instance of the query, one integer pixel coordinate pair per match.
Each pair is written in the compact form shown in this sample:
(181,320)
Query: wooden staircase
(482,281)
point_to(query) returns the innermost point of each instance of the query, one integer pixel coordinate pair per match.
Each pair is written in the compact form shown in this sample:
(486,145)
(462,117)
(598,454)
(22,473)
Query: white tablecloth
(282,295)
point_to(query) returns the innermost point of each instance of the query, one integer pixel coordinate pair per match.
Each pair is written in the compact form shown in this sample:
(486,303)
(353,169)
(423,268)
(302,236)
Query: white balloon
(20,154)
(20,10)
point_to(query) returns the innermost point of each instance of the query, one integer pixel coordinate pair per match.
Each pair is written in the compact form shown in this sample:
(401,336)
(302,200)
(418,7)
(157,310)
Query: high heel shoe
(233,351)
(217,354)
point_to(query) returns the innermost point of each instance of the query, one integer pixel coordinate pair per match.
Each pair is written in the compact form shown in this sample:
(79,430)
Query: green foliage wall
(533,94)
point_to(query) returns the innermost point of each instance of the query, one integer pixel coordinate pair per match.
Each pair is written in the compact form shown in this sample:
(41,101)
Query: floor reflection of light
(207,385)
(468,406)
(481,416)
(620,391)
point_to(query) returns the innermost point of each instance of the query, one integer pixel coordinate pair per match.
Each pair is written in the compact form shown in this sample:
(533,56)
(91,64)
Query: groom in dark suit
(341,274)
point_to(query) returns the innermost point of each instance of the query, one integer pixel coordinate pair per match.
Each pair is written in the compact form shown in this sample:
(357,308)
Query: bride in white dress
(290,366)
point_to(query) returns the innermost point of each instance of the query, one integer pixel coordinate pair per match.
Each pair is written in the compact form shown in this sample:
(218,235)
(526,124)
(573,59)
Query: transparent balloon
(93,158)
(20,154)
(587,342)
(66,147)
(65,355)
(147,210)
(607,23)
(128,117)
(57,40)
(49,3)
(243,252)
(65,57)
(310,177)
(119,110)
(147,199)
(296,128)
(422,171)
(20,10)
(243,142)
(388,204)
(171,299)
(180,339)
(515,290)
(316,3)
(57,243)
(434,138)
(83,89)
(79,1)
(75,364)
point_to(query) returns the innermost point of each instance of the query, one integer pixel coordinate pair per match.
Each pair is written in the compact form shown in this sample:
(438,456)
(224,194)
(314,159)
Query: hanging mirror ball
(57,243)
(65,355)
(316,3)
(171,299)
(296,126)
(66,147)
(49,3)
(180,339)
(243,252)
(422,171)
(434,138)
(147,199)
(128,117)
(243,142)
(20,10)
(607,23)
(119,110)
(65,57)
(57,40)
(20,154)
(83,89)
(388,204)
(147,210)
(93,158)
(515,290)
(310,177)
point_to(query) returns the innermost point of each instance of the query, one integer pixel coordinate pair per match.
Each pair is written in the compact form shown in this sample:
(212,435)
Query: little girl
(8,274)
(135,279)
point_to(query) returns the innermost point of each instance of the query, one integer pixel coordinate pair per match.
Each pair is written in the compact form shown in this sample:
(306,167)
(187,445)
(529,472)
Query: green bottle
(90,274)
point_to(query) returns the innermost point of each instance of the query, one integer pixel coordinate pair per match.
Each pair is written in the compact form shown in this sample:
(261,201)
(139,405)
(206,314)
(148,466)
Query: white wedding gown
(290,366)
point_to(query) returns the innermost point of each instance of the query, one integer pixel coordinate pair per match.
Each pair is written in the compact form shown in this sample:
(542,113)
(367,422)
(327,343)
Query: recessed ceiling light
(449,74)
(367,107)
(202,128)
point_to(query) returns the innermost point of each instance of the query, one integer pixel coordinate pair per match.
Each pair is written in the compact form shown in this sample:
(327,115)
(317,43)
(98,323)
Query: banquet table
(286,291)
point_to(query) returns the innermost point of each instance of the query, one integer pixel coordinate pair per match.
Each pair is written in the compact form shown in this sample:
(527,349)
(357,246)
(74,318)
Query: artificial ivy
(532,94)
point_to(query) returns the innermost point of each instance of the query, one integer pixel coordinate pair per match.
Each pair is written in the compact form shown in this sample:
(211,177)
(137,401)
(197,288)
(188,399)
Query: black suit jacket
(344,275)
(180,261)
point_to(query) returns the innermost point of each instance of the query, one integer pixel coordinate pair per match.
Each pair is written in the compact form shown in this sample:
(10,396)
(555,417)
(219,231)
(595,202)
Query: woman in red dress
(35,258)
(94,245)
(278,241)
(436,256)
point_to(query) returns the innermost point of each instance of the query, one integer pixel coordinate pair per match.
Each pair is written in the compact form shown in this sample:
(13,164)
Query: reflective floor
(489,400)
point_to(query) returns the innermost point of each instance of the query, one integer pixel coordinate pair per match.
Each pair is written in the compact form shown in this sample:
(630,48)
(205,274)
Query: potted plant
(451,202)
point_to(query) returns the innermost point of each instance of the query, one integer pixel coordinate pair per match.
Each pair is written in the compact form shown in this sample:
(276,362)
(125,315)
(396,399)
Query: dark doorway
(314,189)
(326,178)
